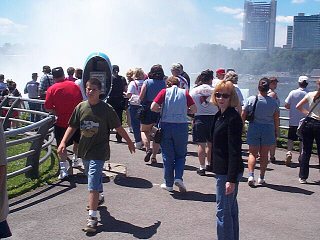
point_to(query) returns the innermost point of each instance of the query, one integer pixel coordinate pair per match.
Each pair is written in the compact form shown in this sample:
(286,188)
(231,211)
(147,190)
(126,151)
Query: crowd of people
(215,107)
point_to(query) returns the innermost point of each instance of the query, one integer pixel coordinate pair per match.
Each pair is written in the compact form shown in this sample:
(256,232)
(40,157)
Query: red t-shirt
(162,94)
(63,97)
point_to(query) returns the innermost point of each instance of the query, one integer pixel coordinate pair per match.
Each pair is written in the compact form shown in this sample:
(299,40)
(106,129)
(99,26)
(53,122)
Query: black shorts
(201,131)
(292,133)
(59,132)
(4,230)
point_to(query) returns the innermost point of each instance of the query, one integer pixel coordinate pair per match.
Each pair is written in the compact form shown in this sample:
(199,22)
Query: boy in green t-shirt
(95,118)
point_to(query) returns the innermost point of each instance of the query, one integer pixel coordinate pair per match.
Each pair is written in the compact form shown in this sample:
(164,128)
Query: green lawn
(21,184)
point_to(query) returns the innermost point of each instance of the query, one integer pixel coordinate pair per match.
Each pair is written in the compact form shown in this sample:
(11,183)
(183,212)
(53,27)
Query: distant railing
(39,134)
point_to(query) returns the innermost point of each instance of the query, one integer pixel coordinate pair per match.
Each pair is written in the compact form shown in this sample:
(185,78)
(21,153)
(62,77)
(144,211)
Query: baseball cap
(57,72)
(302,79)
(220,71)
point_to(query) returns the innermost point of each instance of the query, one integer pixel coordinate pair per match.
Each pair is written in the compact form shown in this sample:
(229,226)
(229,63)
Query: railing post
(36,145)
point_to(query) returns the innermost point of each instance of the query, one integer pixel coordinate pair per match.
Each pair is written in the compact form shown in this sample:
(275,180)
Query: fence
(39,134)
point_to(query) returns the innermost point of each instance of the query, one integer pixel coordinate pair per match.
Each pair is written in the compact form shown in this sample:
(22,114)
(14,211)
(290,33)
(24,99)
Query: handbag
(141,113)
(250,115)
(303,122)
(156,134)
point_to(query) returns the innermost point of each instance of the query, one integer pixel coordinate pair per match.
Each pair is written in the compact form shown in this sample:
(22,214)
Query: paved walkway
(136,207)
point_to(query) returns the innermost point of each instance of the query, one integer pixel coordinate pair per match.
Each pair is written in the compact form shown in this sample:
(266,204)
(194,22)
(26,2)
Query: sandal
(153,160)
(148,155)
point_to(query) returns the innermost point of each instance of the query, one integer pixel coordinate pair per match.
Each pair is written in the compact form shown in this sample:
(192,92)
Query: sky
(61,32)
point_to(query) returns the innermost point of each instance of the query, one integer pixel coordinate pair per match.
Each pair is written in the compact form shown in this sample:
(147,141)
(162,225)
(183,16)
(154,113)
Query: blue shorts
(261,134)
(202,126)
(93,170)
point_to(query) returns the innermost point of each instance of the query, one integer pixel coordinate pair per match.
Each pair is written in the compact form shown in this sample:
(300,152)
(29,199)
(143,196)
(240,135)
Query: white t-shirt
(135,86)
(239,94)
(316,111)
(293,98)
(201,96)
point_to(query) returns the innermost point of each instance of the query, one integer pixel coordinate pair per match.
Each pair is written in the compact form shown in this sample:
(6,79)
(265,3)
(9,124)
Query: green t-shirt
(95,122)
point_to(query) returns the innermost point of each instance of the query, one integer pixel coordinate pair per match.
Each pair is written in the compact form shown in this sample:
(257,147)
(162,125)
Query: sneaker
(201,172)
(64,167)
(92,223)
(261,181)
(138,145)
(272,159)
(148,155)
(164,186)
(209,168)
(75,161)
(101,201)
(180,185)
(288,158)
(251,181)
(302,181)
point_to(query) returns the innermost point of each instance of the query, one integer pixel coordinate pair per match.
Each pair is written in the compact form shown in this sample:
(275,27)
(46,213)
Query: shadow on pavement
(50,187)
(110,224)
(132,182)
(194,196)
(289,189)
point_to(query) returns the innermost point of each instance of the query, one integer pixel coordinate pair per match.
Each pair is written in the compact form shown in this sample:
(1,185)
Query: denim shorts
(202,126)
(93,170)
(261,134)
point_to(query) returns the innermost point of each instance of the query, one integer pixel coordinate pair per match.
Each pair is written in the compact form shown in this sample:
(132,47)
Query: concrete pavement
(136,207)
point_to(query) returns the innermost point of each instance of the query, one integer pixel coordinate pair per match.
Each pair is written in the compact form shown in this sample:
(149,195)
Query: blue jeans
(310,133)
(174,150)
(135,123)
(227,210)
(37,107)
(93,170)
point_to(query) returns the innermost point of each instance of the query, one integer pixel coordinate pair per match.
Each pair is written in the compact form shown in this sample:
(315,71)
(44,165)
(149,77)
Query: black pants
(119,113)
(310,133)
(4,230)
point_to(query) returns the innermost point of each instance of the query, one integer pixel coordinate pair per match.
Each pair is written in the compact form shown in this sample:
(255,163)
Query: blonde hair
(230,89)
(138,74)
(129,74)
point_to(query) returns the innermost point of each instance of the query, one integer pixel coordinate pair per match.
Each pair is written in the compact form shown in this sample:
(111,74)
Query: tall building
(289,37)
(306,32)
(259,25)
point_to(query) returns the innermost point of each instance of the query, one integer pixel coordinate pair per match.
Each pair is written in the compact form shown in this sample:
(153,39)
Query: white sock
(202,167)
(101,196)
(92,213)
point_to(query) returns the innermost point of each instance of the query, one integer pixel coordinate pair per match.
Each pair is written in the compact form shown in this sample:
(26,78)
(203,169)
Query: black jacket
(226,144)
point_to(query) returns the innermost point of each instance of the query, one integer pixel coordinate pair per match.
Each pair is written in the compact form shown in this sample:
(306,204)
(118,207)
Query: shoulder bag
(303,121)
(250,115)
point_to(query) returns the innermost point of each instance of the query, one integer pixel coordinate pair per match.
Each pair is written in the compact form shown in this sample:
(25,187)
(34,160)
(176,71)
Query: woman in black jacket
(227,159)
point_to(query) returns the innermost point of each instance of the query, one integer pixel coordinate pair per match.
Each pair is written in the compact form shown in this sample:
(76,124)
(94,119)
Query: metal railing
(39,134)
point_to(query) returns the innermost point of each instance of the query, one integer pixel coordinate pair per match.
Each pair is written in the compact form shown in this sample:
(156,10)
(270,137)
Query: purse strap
(314,106)
(136,86)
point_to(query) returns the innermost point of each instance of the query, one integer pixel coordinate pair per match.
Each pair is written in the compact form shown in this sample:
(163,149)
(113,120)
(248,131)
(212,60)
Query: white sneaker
(164,186)
(91,226)
(302,181)
(261,180)
(138,145)
(180,185)
(64,167)
(288,158)
(251,181)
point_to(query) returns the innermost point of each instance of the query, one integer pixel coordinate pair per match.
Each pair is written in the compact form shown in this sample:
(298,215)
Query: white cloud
(298,1)
(8,27)
(285,19)
(237,13)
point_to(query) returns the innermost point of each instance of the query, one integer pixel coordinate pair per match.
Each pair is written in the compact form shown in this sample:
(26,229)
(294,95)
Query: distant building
(306,32)
(289,37)
(259,25)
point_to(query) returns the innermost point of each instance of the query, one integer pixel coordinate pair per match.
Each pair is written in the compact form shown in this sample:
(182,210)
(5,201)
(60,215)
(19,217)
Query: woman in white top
(311,131)
(133,92)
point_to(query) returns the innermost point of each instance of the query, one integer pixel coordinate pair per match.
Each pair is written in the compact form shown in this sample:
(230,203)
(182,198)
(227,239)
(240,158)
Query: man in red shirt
(61,99)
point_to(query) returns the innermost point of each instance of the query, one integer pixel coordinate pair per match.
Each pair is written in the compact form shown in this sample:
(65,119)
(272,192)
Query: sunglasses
(221,95)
